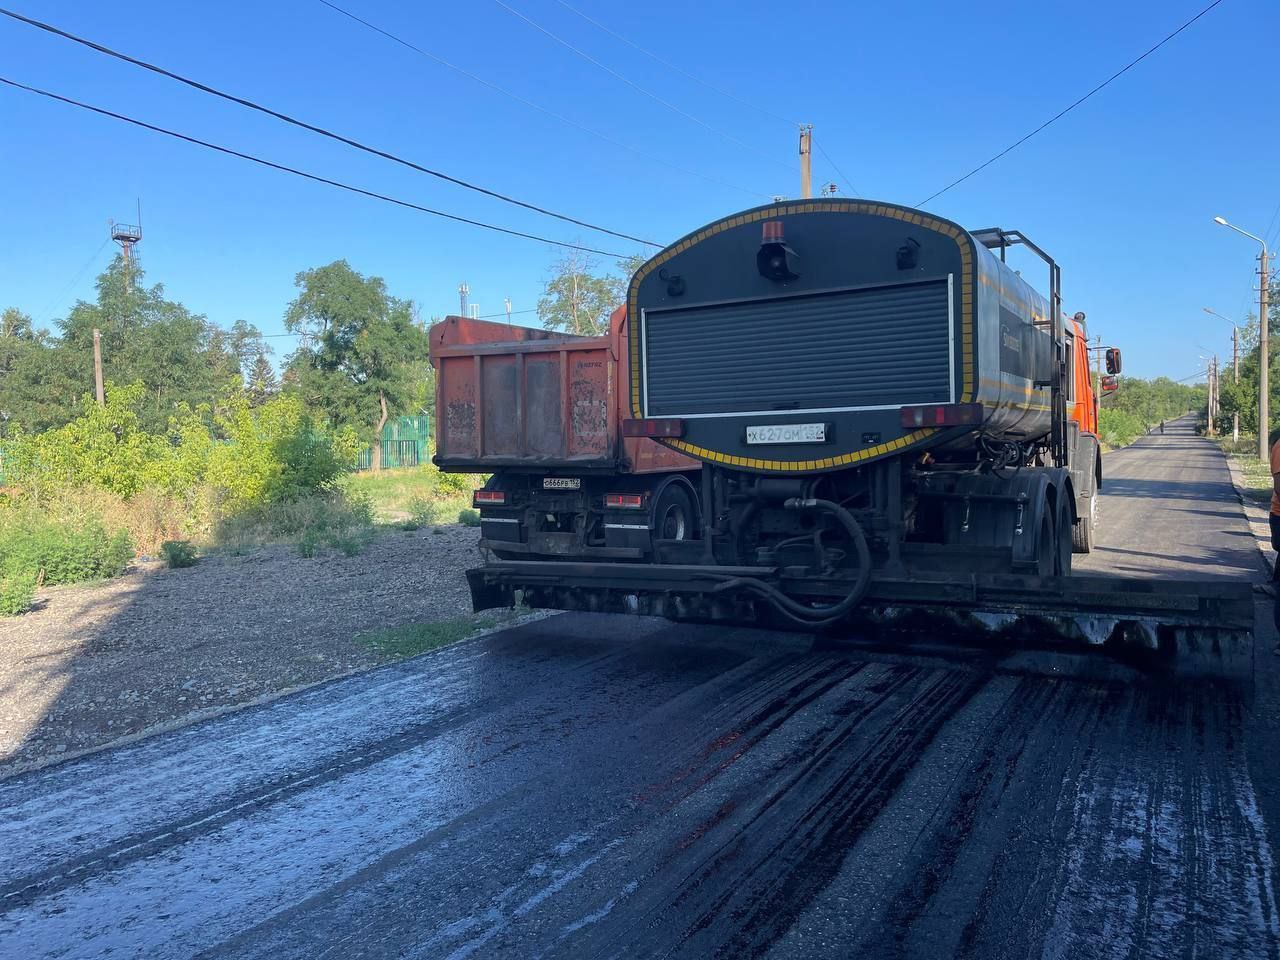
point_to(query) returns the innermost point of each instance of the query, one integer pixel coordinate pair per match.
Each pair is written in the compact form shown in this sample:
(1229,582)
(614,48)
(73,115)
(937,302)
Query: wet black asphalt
(590,786)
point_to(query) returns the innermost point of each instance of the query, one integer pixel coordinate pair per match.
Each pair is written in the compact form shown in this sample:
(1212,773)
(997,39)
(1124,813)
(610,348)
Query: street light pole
(1264,272)
(1235,368)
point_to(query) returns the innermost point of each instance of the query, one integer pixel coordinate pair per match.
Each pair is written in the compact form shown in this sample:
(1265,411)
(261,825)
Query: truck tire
(1063,535)
(1082,533)
(674,517)
(1047,544)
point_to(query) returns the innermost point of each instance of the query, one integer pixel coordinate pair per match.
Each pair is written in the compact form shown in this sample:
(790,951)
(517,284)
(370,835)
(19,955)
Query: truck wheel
(1047,545)
(1063,535)
(673,515)
(1082,533)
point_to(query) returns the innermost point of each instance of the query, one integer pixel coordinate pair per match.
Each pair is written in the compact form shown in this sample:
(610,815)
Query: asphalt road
(600,787)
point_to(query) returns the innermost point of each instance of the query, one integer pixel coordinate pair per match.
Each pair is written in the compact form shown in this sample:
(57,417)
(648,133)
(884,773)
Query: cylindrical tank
(792,336)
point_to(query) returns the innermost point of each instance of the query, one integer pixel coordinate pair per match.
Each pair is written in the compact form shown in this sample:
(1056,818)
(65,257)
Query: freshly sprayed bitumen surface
(588,786)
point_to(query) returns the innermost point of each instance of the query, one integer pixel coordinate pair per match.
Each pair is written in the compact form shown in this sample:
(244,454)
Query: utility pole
(1213,396)
(1235,375)
(806,155)
(1264,321)
(97,368)
(463,290)
(1264,337)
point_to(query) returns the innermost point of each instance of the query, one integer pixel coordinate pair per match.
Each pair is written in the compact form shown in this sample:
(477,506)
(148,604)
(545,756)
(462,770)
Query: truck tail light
(489,498)
(942,415)
(624,501)
(659,427)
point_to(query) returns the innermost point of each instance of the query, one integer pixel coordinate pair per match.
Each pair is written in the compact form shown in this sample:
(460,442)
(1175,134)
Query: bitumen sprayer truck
(822,414)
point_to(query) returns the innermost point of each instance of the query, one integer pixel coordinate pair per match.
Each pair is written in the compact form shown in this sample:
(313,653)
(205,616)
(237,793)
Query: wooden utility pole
(806,155)
(97,368)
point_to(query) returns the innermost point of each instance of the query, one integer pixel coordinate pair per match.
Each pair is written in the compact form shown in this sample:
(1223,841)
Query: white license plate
(561,483)
(788,433)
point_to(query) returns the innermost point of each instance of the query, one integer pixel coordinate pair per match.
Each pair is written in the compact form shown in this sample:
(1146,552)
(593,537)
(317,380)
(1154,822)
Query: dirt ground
(100,662)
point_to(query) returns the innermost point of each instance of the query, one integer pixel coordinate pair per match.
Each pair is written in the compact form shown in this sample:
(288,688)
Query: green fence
(404,444)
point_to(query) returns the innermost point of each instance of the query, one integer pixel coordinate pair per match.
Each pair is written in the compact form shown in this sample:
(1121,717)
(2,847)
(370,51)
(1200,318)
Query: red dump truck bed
(509,396)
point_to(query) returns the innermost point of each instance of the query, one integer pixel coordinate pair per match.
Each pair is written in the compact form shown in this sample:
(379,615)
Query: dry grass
(399,495)
(150,518)
(1255,473)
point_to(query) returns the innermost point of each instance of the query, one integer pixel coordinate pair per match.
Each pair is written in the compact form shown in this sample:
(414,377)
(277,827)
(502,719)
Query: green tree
(261,383)
(359,347)
(14,323)
(578,298)
(181,359)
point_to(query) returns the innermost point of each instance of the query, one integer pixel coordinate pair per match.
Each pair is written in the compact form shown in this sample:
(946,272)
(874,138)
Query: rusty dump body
(524,398)
(541,412)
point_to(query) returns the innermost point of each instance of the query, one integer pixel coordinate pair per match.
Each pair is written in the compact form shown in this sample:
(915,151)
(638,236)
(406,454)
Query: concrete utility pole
(1264,324)
(1235,367)
(97,369)
(1264,336)
(806,156)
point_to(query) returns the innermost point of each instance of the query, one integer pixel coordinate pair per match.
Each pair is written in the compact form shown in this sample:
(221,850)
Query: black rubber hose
(798,613)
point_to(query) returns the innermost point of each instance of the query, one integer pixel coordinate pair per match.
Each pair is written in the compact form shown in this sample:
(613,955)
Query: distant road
(587,786)
(1169,510)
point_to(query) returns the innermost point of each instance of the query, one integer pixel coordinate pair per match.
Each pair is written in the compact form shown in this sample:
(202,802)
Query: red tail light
(942,415)
(661,427)
(489,498)
(624,501)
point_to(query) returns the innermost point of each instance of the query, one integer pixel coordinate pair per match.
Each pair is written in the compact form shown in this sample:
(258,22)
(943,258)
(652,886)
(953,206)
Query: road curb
(1254,515)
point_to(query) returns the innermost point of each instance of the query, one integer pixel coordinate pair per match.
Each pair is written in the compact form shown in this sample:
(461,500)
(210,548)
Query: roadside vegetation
(1137,406)
(1255,474)
(199,445)
(415,638)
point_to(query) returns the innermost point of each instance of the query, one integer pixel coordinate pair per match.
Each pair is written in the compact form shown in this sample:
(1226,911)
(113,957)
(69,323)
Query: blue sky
(904,98)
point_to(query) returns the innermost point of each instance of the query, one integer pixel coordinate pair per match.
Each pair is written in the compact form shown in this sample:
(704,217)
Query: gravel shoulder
(99,663)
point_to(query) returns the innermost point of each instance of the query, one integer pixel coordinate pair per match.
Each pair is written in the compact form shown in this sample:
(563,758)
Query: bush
(1119,428)
(178,553)
(36,550)
(469,517)
(424,512)
(233,457)
(17,591)
(455,483)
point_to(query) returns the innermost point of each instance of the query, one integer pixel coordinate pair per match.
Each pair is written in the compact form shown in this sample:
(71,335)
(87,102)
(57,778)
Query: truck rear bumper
(1203,628)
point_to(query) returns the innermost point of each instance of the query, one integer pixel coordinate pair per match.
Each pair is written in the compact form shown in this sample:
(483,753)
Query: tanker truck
(821,414)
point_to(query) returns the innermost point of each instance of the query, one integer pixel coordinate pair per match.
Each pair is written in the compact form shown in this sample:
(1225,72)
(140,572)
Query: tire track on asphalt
(771,692)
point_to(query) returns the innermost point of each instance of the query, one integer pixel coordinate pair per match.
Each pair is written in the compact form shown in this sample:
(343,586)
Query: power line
(302,173)
(486,316)
(205,88)
(631,83)
(848,183)
(1062,113)
(536,106)
(79,273)
(680,70)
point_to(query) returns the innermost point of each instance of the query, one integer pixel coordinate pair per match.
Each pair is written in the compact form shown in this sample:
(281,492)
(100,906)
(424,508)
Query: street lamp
(1264,419)
(1235,367)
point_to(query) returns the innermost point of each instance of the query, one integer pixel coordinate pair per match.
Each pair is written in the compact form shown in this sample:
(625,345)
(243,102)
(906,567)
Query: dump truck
(822,414)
